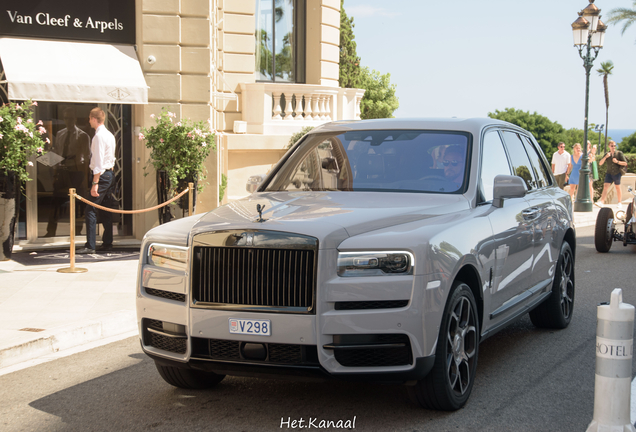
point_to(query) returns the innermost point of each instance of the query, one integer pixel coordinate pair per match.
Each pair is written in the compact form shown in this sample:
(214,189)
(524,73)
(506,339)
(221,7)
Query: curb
(69,336)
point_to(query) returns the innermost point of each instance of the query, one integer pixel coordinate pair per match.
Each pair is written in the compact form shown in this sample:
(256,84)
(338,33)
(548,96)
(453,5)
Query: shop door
(66,165)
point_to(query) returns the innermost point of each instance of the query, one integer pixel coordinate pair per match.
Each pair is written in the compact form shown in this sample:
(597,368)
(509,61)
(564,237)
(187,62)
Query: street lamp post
(599,129)
(589,34)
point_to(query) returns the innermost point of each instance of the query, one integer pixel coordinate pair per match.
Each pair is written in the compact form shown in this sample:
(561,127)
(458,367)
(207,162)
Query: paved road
(527,380)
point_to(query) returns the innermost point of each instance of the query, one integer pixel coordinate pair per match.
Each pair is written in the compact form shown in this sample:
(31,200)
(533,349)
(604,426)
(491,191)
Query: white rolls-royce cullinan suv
(381,250)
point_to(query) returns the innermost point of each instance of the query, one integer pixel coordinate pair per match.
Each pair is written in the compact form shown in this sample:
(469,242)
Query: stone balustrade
(281,109)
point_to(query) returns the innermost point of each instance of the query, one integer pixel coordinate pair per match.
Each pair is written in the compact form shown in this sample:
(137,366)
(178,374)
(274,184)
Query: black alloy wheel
(449,384)
(556,311)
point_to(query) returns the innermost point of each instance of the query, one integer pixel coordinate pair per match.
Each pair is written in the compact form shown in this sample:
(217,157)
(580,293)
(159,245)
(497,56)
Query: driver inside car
(453,164)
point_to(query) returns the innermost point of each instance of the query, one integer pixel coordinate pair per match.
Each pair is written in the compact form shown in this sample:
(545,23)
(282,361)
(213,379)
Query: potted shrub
(20,139)
(178,153)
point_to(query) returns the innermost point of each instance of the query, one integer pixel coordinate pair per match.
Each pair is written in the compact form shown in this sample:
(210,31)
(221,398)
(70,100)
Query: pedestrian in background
(101,165)
(616,167)
(561,165)
(573,174)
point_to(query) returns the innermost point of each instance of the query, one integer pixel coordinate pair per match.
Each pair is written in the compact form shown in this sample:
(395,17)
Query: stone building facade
(200,59)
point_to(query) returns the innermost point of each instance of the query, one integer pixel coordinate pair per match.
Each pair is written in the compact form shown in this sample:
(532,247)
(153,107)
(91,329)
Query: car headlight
(173,257)
(352,264)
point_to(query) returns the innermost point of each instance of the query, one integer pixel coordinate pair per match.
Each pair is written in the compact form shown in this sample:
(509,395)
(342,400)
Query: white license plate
(250,327)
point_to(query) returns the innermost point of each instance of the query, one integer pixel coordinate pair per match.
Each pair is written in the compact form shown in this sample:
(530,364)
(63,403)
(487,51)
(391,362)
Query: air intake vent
(372,350)
(163,336)
(166,294)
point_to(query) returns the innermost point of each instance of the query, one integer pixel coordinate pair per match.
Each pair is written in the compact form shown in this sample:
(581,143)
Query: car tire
(556,311)
(448,385)
(188,378)
(602,235)
(629,213)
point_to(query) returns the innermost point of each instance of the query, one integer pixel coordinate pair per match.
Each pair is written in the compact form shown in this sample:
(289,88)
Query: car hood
(329,216)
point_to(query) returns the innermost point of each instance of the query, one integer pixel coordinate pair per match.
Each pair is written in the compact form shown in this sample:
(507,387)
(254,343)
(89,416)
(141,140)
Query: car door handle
(530,214)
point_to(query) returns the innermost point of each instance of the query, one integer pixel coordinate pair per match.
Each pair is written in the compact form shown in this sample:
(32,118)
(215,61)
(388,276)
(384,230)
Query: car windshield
(378,161)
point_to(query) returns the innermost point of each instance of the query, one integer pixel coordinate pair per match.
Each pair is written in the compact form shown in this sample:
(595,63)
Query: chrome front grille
(257,277)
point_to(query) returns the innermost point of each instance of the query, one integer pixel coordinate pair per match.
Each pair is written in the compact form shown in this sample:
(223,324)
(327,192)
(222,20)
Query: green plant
(298,135)
(222,187)
(20,138)
(178,147)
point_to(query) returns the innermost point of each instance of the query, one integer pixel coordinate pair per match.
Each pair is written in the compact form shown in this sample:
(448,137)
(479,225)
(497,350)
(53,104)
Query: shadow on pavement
(62,256)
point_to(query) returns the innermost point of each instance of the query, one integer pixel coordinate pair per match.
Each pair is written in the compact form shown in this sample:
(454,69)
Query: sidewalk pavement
(43,311)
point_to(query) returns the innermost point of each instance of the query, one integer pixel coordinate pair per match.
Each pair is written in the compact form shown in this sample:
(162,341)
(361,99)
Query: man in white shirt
(561,165)
(101,165)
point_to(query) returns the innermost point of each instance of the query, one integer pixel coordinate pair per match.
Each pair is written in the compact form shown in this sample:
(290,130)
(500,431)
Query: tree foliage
(546,132)
(628,145)
(574,135)
(379,100)
(349,60)
(604,71)
(298,135)
(625,15)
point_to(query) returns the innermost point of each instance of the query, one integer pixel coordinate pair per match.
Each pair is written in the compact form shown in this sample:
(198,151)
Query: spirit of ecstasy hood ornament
(259,209)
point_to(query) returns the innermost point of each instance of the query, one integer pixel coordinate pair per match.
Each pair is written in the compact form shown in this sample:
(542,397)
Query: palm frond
(624,15)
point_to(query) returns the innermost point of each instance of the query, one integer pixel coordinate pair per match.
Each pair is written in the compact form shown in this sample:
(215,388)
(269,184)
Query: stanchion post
(190,193)
(72,268)
(613,378)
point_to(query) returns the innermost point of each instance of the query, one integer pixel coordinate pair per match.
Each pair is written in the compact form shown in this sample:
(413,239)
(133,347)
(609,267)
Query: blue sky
(466,58)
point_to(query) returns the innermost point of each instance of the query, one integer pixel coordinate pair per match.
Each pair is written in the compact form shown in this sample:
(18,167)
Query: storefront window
(280,40)
(66,165)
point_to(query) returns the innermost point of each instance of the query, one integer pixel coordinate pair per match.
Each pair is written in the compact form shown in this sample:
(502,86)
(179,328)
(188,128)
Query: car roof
(474,125)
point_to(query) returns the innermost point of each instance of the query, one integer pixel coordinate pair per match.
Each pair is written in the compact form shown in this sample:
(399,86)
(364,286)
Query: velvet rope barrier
(73,195)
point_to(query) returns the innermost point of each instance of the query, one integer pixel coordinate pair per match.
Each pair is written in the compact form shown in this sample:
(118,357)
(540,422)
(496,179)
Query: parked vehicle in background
(382,250)
(605,232)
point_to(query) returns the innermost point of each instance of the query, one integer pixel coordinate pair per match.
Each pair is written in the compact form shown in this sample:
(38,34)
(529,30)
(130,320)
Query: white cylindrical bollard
(613,378)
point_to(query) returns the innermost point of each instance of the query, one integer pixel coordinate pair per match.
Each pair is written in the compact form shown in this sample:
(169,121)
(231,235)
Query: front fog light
(374,263)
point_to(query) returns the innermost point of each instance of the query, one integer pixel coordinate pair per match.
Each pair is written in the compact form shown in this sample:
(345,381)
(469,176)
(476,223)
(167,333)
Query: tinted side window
(519,158)
(493,163)
(540,169)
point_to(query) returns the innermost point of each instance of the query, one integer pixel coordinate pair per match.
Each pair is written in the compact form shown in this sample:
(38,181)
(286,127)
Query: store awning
(60,71)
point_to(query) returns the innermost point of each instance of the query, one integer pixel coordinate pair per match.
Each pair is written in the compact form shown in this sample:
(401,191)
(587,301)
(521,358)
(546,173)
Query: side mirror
(330,164)
(253,182)
(507,186)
